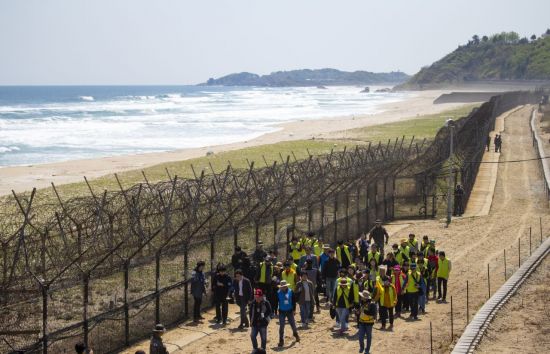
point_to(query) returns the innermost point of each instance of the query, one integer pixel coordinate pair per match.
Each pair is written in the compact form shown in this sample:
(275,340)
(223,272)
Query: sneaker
(361,350)
(241,326)
(297,337)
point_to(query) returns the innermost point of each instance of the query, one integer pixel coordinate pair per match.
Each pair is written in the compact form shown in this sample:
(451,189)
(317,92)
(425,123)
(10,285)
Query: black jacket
(330,268)
(221,290)
(260,313)
(248,295)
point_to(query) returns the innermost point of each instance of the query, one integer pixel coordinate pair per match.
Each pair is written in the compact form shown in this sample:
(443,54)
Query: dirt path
(522,324)
(470,243)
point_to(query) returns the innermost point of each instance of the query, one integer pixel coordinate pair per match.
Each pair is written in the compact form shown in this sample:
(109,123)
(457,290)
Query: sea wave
(86,98)
(5,149)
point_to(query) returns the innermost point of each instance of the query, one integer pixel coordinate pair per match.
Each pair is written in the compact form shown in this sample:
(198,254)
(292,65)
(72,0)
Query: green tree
(484,39)
(475,39)
(533,37)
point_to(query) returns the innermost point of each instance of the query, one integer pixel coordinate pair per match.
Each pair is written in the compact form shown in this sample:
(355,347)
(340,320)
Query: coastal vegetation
(502,56)
(307,77)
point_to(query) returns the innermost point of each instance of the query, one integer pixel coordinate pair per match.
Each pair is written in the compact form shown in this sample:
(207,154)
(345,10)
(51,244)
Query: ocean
(41,124)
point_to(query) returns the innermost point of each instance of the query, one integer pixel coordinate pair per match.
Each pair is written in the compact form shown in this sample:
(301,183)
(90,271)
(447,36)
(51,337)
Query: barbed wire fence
(104,268)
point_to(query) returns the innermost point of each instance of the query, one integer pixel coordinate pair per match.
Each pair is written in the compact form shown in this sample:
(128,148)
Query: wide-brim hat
(365,295)
(159,328)
(326,246)
(378,221)
(283,284)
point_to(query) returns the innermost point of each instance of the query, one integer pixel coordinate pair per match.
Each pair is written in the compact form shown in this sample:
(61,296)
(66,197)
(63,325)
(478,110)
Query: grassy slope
(489,61)
(420,127)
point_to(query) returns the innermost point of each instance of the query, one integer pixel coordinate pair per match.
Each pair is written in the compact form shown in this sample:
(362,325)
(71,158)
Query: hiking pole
(431,339)
(452,324)
(540,225)
(519,252)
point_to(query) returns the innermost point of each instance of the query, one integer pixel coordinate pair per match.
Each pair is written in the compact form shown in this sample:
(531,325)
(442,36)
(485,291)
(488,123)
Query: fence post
(519,252)
(309,217)
(275,245)
(213,251)
(488,281)
(322,229)
(288,240)
(467,303)
(293,224)
(529,240)
(235,236)
(540,225)
(44,289)
(335,219)
(431,339)
(505,265)
(126,307)
(157,286)
(257,230)
(452,323)
(85,295)
(358,207)
(186,277)
(347,215)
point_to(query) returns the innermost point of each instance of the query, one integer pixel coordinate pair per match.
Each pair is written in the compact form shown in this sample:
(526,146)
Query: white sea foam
(86,98)
(128,124)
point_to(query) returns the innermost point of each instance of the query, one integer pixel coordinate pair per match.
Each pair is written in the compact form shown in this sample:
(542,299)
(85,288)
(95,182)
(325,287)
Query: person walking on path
(286,311)
(343,254)
(499,143)
(260,315)
(259,254)
(156,346)
(329,274)
(380,235)
(343,300)
(198,289)
(362,246)
(367,317)
(305,292)
(243,295)
(398,282)
(264,275)
(424,277)
(308,256)
(220,287)
(459,200)
(412,286)
(388,300)
(488,143)
(442,272)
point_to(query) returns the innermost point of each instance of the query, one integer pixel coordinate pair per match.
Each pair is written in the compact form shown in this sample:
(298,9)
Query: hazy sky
(188,41)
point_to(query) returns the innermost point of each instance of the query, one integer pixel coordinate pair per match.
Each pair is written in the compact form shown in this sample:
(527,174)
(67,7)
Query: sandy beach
(24,178)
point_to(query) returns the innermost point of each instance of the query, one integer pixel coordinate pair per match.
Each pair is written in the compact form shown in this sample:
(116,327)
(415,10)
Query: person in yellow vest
(296,250)
(412,288)
(374,254)
(264,275)
(307,240)
(343,301)
(413,243)
(442,271)
(402,255)
(317,248)
(289,275)
(424,245)
(343,254)
(388,300)
(367,317)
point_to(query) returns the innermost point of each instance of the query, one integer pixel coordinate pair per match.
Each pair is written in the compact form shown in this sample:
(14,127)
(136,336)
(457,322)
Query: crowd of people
(356,281)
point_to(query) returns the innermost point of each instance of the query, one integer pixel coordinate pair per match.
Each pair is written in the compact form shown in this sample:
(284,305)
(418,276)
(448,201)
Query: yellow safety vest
(306,241)
(263,270)
(413,244)
(343,291)
(290,278)
(399,256)
(411,283)
(339,254)
(365,318)
(388,296)
(443,268)
(376,256)
(296,251)
(317,250)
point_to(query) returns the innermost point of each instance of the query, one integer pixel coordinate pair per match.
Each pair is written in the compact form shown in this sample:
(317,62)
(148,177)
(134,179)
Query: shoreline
(24,178)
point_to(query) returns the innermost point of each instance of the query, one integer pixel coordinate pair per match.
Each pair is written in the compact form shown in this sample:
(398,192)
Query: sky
(132,42)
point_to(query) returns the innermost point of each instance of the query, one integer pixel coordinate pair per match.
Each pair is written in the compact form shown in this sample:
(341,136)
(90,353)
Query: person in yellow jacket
(264,275)
(402,255)
(367,317)
(342,302)
(388,300)
(413,243)
(289,275)
(442,271)
(296,249)
(374,254)
(412,289)
(343,254)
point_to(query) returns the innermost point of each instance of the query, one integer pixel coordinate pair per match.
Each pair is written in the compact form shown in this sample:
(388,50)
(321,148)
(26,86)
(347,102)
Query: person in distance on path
(380,236)
(260,315)
(156,346)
